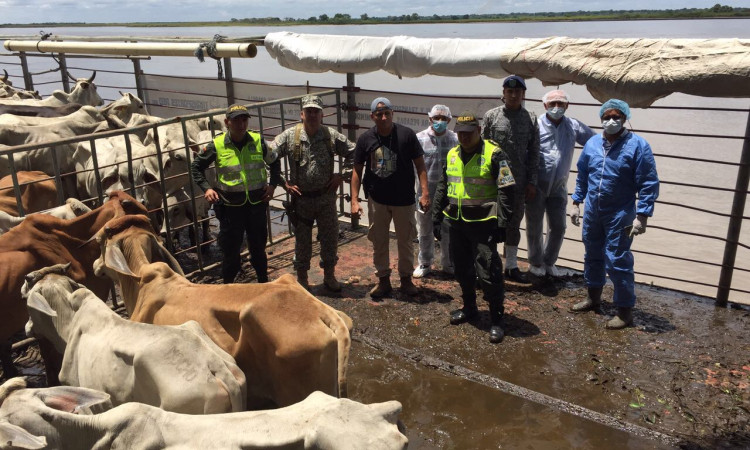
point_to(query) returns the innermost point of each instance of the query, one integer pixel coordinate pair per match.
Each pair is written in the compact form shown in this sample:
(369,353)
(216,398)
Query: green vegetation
(716,11)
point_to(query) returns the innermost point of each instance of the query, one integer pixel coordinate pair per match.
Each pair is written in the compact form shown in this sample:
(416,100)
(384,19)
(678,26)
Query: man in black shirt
(242,193)
(390,152)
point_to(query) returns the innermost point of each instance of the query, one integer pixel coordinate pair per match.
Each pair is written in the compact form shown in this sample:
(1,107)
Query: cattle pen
(413,331)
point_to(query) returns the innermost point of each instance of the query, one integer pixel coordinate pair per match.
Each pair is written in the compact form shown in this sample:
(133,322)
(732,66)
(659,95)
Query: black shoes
(496,334)
(462,315)
(516,275)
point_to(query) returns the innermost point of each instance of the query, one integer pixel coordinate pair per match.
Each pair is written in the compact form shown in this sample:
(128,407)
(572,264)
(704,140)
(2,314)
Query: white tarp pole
(223,50)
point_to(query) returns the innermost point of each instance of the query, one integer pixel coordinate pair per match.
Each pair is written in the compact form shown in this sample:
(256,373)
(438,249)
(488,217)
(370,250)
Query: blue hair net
(615,104)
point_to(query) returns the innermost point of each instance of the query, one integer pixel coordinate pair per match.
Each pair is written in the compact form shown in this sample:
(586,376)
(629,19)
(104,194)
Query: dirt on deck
(683,371)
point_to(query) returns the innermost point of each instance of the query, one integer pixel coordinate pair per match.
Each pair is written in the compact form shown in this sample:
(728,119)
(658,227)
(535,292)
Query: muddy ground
(682,373)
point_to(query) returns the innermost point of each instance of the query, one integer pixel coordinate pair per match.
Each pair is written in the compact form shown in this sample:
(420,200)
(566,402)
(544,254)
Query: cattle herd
(195,366)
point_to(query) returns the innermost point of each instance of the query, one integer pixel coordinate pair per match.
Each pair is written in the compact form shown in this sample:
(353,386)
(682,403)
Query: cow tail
(344,342)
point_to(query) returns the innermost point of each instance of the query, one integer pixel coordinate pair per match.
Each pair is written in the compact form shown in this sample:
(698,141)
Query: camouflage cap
(236,111)
(312,101)
(467,121)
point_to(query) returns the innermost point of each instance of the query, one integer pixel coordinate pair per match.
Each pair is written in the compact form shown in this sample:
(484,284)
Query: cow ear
(166,256)
(17,437)
(39,303)
(115,260)
(72,399)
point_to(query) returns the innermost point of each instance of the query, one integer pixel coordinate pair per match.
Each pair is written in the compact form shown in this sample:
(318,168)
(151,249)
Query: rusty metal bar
(129,151)
(63,71)
(97,175)
(735,222)
(191,182)
(58,178)
(229,80)
(351,119)
(28,80)
(16,186)
(163,189)
(137,72)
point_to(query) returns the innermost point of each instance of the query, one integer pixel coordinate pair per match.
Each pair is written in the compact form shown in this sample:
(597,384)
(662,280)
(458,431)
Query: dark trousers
(474,256)
(234,222)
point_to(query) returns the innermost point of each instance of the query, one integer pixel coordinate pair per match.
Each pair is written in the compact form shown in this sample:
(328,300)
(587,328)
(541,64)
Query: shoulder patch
(505,176)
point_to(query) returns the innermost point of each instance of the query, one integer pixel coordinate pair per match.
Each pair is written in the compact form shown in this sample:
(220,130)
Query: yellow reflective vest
(472,190)
(240,170)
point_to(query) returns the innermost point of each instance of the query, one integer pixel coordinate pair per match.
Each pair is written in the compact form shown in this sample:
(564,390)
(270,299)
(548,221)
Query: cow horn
(5,77)
(91,80)
(92,238)
(71,76)
(126,201)
(121,93)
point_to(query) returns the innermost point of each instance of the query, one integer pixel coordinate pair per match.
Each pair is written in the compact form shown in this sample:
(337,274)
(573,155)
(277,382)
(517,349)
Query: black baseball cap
(467,121)
(236,111)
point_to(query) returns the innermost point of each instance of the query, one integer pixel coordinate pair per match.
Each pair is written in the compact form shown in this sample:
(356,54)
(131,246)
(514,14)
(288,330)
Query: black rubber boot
(592,302)
(497,333)
(623,319)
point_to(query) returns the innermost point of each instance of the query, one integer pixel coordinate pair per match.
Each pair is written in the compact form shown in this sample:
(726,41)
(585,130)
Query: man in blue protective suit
(612,169)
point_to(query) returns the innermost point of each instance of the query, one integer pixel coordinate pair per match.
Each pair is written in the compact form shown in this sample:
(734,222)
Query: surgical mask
(612,126)
(556,112)
(439,126)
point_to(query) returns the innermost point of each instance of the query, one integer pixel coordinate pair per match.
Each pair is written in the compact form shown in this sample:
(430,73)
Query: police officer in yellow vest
(242,192)
(475,194)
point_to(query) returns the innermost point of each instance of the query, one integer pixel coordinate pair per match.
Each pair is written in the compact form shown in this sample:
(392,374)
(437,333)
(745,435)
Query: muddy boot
(623,319)
(302,279)
(407,287)
(382,289)
(329,279)
(592,302)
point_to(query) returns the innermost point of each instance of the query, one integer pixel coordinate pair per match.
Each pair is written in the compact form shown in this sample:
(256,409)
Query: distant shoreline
(358,22)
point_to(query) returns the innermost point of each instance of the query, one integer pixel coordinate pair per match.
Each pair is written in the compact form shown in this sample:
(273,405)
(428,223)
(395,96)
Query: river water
(264,68)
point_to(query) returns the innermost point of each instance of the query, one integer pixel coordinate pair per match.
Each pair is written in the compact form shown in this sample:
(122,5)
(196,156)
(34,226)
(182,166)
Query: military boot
(592,302)
(496,320)
(302,279)
(623,319)
(382,289)
(329,279)
(407,286)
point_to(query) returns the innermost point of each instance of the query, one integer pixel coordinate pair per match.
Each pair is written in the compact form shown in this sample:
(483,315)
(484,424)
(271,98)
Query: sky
(28,11)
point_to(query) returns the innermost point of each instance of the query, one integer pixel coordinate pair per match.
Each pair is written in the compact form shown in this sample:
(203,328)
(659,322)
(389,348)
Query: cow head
(42,411)
(50,304)
(125,107)
(84,91)
(340,422)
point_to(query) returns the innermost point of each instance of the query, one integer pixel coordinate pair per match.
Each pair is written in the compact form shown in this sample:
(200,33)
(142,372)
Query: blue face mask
(439,126)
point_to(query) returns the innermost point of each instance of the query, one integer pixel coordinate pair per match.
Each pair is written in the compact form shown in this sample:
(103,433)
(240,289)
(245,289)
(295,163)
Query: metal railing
(736,217)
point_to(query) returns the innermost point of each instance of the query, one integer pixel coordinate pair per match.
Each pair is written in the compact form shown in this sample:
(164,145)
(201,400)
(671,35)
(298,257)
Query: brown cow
(35,195)
(41,241)
(288,343)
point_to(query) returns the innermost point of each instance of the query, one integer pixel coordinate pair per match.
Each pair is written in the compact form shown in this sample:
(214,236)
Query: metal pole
(64,72)
(341,160)
(97,175)
(27,79)
(286,170)
(735,222)
(58,178)
(229,80)
(351,118)
(16,186)
(129,151)
(137,72)
(191,182)
(268,205)
(163,189)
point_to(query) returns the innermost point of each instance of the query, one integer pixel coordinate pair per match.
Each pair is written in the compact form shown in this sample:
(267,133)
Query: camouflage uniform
(315,169)
(517,133)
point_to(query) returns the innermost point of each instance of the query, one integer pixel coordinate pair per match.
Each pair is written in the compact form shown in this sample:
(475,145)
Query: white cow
(122,108)
(320,422)
(70,210)
(174,368)
(84,93)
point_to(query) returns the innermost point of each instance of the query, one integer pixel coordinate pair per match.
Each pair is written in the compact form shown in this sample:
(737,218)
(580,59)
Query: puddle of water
(444,412)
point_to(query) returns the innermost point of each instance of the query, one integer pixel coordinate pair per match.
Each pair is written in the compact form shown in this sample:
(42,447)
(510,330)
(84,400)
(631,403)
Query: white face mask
(556,112)
(612,126)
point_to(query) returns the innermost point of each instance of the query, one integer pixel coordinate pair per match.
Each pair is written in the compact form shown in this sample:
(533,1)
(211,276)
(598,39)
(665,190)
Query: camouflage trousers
(512,228)
(322,210)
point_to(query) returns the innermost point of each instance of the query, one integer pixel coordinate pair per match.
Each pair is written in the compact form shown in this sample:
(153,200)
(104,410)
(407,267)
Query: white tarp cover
(639,71)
